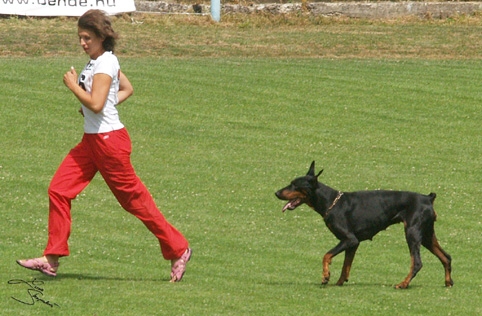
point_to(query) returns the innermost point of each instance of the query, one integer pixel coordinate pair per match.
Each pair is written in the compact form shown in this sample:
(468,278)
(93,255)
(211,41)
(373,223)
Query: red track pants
(108,153)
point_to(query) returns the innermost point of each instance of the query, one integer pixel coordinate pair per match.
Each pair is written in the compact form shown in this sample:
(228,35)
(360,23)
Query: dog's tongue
(288,206)
(291,205)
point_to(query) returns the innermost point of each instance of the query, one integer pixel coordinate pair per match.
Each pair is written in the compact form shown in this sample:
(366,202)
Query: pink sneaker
(179,266)
(38,264)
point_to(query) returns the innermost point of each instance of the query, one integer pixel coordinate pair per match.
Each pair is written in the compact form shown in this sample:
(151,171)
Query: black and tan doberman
(357,216)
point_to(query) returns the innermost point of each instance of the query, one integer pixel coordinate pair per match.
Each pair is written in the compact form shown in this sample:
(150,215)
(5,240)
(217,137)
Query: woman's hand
(70,78)
(95,100)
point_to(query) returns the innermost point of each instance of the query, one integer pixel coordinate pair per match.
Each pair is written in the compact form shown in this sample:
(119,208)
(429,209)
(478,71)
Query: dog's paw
(401,286)
(341,282)
(325,279)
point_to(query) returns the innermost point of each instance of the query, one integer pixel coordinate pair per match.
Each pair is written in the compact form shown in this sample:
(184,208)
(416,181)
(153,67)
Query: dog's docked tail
(432,197)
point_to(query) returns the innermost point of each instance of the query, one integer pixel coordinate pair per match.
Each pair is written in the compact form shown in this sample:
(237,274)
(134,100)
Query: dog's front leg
(345,271)
(326,268)
(350,243)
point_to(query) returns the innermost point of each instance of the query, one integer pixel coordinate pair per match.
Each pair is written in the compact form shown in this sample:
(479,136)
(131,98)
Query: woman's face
(91,43)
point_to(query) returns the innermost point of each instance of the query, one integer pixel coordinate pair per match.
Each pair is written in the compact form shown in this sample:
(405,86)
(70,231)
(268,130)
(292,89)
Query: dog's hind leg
(414,239)
(429,241)
(345,272)
(432,244)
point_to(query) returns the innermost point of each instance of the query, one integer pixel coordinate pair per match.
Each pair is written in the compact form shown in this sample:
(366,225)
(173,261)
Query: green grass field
(213,140)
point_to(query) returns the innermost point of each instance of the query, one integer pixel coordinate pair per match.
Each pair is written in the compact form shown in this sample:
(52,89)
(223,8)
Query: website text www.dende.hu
(64,3)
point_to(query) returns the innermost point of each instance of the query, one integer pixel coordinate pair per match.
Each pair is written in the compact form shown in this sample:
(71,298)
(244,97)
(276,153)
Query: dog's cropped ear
(311,171)
(319,173)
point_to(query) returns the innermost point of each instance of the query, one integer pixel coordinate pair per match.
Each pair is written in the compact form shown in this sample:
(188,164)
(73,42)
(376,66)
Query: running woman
(105,148)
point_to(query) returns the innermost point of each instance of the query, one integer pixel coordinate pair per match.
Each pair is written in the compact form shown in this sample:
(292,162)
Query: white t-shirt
(106,120)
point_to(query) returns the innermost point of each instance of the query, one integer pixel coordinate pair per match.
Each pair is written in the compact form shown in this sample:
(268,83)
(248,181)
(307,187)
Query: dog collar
(336,200)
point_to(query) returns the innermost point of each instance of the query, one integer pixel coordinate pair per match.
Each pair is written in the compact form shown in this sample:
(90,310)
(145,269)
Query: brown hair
(98,22)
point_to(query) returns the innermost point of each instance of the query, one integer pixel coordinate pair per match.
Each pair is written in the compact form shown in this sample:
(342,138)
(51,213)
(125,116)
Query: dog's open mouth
(291,205)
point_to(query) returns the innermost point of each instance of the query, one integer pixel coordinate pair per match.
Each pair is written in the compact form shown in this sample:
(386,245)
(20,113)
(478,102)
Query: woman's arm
(125,88)
(94,101)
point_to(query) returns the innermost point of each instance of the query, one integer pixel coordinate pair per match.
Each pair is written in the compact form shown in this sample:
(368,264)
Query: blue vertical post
(216,10)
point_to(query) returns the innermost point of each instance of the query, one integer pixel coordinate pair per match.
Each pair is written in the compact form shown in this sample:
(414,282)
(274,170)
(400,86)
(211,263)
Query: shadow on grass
(351,285)
(90,277)
(82,276)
